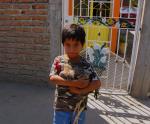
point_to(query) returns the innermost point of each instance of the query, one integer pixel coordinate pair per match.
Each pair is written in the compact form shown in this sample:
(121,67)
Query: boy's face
(72,47)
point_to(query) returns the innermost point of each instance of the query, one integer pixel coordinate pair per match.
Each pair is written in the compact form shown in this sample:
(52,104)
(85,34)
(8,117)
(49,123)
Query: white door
(118,23)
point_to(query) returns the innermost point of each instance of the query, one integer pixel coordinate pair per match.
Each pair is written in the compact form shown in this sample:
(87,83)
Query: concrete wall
(55,17)
(141,80)
(55,27)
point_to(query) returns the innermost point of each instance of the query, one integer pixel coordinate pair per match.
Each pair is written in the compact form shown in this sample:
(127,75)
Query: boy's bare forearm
(60,81)
(71,83)
(91,87)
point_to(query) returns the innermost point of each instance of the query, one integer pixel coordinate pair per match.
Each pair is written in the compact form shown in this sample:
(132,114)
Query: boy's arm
(91,87)
(71,83)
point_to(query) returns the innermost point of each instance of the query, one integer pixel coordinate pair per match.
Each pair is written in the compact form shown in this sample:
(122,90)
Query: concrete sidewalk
(30,104)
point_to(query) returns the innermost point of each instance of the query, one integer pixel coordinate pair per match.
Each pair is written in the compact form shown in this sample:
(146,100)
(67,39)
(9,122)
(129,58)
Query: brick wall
(24,41)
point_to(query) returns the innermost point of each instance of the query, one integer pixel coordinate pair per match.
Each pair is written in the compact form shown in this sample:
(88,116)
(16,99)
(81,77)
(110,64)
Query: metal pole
(91,8)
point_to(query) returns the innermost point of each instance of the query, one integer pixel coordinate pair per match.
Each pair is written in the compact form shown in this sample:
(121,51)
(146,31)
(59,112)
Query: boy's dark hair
(75,32)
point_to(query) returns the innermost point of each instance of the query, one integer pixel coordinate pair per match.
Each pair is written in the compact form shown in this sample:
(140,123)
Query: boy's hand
(81,83)
(78,91)
(71,83)
(74,90)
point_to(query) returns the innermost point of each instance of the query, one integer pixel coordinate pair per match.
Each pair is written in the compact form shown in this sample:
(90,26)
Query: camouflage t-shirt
(64,100)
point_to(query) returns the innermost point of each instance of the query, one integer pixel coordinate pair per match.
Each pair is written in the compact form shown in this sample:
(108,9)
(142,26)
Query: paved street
(30,104)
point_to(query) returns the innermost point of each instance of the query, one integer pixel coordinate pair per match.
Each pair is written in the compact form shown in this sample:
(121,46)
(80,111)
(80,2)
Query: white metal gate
(117,23)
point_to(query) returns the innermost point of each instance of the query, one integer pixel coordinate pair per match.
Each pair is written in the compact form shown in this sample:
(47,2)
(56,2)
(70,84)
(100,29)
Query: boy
(74,78)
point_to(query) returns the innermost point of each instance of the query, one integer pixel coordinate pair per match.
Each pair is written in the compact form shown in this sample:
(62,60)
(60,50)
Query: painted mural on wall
(109,22)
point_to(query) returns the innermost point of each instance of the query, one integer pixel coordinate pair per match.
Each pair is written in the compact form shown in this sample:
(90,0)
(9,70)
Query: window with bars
(98,8)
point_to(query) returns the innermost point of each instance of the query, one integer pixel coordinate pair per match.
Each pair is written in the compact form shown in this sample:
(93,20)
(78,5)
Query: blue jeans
(61,117)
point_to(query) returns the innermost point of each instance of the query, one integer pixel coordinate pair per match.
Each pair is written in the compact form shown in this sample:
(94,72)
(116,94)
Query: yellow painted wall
(93,30)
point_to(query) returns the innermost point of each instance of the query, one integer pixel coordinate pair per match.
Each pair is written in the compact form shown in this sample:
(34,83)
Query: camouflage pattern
(69,70)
